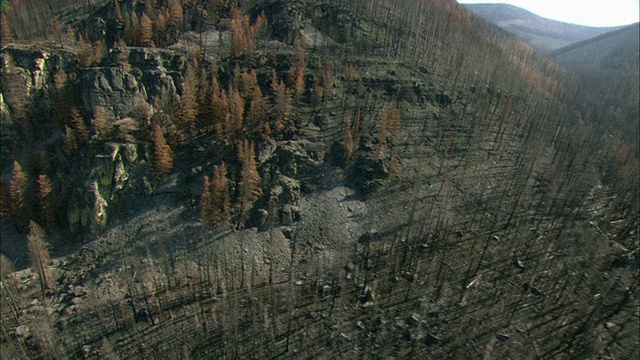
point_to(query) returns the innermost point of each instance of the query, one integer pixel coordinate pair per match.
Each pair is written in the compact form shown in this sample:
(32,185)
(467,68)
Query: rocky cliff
(39,83)
(340,183)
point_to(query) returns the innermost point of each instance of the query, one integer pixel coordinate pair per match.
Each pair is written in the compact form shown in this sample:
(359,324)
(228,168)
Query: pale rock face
(103,171)
(93,216)
(39,73)
(97,220)
(120,175)
(107,177)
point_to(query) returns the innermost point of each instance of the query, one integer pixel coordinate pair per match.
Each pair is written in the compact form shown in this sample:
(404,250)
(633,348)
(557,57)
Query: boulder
(290,190)
(129,152)
(289,215)
(23,331)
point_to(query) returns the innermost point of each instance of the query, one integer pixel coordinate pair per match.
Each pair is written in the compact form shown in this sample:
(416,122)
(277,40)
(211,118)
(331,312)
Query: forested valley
(313,179)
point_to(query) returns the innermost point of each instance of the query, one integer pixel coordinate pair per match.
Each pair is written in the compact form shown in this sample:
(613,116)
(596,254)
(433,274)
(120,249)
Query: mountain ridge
(345,184)
(539,32)
(631,30)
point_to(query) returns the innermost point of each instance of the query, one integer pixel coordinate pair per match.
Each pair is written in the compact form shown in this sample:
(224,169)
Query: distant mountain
(608,77)
(328,179)
(617,49)
(541,33)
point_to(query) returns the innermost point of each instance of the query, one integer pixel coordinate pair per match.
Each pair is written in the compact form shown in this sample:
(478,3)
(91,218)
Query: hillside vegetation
(607,79)
(317,179)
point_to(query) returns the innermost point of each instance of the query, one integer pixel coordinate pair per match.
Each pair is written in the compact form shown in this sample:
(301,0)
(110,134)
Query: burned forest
(313,179)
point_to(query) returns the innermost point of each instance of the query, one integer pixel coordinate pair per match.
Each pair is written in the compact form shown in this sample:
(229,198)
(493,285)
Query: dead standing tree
(39,255)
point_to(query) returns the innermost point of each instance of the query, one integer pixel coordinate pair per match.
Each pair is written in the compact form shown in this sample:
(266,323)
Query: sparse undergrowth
(310,179)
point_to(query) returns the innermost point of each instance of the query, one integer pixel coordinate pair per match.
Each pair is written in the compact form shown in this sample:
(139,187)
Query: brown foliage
(60,79)
(16,94)
(238,41)
(243,34)
(175,13)
(389,126)
(323,72)
(248,83)
(90,54)
(38,254)
(281,108)
(298,73)
(160,26)
(349,146)
(236,114)
(144,32)
(70,35)
(356,125)
(188,101)
(79,127)
(220,191)
(393,116)
(131,26)
(18,192)
(318,94)
(69,141)
(250,189)
(116,9)
(142,112)
(45,199)
(101,125)
(5,31)
(219,104)
(326,78)
(257,117)
(205,202)
(215,203)
(85,52)
(5,200)
(162,151)
(260,25)
(100,51)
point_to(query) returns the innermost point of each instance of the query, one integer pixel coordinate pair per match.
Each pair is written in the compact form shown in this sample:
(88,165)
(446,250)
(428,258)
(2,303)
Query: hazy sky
(583,12)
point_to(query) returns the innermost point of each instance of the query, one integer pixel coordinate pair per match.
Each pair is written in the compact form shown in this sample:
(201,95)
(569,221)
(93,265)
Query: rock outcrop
(40,85)
(105,182)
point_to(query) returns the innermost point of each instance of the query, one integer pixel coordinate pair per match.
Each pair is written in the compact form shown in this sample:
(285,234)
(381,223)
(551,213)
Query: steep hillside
(607,73)
(315,179)
(609,51)
(541,33)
